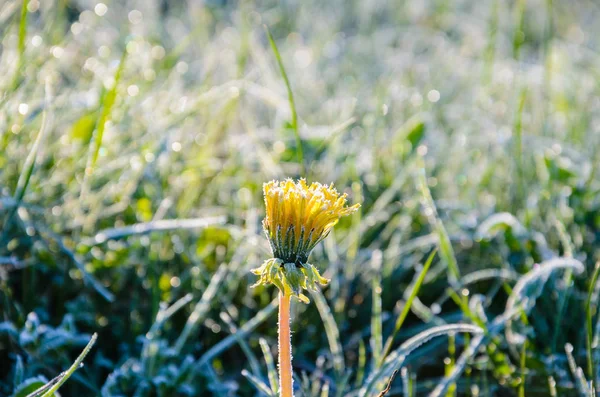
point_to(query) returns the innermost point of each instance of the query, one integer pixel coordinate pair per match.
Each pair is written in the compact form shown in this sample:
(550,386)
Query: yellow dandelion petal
(298,217)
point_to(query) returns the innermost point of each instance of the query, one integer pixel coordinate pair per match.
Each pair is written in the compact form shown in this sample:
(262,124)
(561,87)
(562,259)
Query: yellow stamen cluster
(299,216)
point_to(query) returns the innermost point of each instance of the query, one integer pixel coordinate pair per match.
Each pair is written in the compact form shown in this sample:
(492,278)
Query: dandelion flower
(299,216)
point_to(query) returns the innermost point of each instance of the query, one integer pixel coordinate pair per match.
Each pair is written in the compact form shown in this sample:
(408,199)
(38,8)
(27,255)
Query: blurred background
(135,137)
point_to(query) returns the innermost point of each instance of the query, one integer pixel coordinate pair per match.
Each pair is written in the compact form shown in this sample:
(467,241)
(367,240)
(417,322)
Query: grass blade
(252,361)
(50,236)
(406,384)
(325,390)
(589,330)
(153,226)
(28,167)
(460,365)
(362,362)
(332,332)
(577,372)
(518,149)
(258,383)
(445,246)
(376,331)
(407,306)
(397,357)
(567,280)
(21,44)
(108,101)
(62,378)
(148,353)
(244,330)
(294,122)
(523,369)
(201,309)
(271,371)
(520,301)
(519,32)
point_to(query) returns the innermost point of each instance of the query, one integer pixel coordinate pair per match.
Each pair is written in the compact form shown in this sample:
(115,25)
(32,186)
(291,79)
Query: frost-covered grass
(134,140)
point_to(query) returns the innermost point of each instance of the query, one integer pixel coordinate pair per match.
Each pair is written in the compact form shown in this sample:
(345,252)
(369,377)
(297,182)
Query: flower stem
(285,347)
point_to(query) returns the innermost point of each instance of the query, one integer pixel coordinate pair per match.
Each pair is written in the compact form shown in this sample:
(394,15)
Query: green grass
(133,148)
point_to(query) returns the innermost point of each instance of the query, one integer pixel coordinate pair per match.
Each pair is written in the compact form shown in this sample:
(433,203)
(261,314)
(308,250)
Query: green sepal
(313,276)
(294,277)
(289,278)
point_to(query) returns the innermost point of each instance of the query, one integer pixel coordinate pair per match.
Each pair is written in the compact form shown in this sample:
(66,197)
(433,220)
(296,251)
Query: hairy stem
(285,347)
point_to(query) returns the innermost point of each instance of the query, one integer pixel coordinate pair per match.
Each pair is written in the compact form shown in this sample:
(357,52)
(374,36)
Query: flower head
(299,216)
